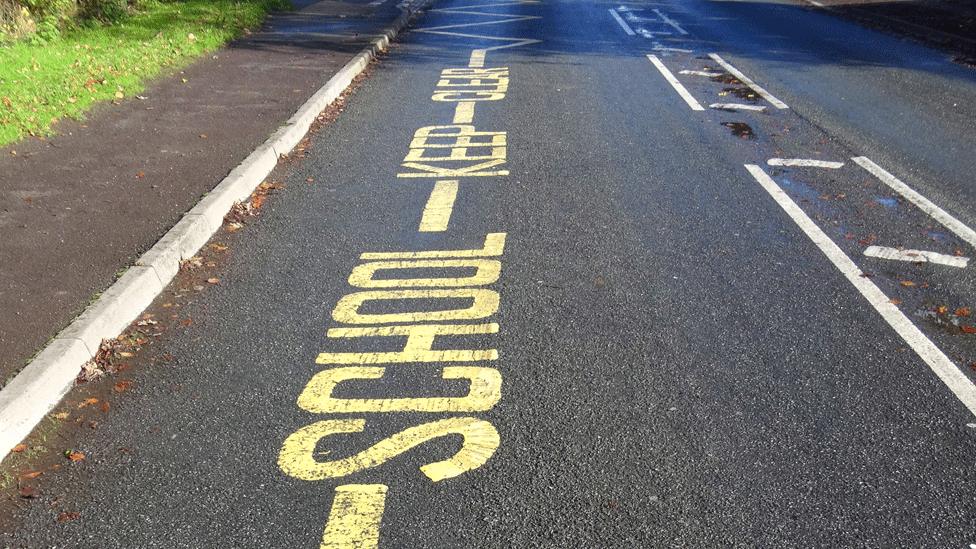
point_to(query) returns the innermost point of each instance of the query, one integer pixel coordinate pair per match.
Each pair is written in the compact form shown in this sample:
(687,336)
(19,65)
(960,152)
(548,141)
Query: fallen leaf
(942,309)
(30,475)
(119,95)
(74,455)
(213,280)
(187,321)
(126,354)
(217,247)
(203,136)
(122,386)
(140,175)
(967,329)
(963,311)
(61,415)
(907,283)
(68,515)
(105,407)
(19,448)
(88,402)
(257,202)
(27,492)
(895,301)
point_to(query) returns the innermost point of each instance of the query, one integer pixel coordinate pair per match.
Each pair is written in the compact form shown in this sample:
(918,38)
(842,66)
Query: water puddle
(740,130)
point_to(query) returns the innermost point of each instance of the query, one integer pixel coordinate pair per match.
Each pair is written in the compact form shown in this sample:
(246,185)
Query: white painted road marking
(916,256)
(737,107)
(937,213)
(805,162)
(748,82)
(658,47)
(671,22)
(682,91)
(623,24)
(700,73)
(949,373)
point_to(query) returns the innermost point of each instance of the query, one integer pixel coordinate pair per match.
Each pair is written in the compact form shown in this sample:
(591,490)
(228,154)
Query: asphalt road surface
(574,274)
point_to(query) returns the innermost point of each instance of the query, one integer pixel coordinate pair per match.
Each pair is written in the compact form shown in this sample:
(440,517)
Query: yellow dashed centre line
(440,205)
(354,521)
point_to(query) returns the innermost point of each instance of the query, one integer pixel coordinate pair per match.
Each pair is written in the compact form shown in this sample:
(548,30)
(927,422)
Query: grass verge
(43,83)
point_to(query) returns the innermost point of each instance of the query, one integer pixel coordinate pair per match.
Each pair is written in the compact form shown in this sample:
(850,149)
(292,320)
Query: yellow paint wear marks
(463,114)
(354,521)
(484,304)
(486,272)
(485,391)
(298,453)
(419,345)
(494,246)
(440,205)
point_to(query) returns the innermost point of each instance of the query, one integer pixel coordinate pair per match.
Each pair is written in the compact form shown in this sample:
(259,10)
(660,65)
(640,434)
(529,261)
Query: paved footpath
(77,208)
(654,274)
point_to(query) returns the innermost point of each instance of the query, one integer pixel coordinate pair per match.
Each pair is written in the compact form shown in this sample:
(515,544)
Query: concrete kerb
(38,388)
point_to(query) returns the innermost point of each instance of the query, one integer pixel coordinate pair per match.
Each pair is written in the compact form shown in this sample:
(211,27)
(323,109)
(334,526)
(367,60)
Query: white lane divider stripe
(938,362)
(937,213)
(748,82)
(805,162)
(623,24)
(737,107)
(916,256)
(670,21)
(682,91)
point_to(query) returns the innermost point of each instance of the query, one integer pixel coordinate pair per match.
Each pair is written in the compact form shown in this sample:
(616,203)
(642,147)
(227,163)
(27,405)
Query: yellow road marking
(486,272)
(463,114)
(440,205)
(354,521)
(484,303)
(477,59)
(419,345)
(485,391)
(297,456)
(494,245)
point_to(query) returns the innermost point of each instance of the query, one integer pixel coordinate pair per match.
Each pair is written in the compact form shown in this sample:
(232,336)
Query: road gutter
(39,387)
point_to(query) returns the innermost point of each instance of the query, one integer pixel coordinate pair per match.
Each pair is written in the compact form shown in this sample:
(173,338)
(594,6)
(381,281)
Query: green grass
(43,83)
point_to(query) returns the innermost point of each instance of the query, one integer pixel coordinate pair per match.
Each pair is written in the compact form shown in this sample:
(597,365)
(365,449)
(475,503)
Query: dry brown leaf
(87,402)
(967,329)
(105,407)
(122,386)
(61,415)
(31,475)
(68,515)
(963,311)
(907,283)
(213,280)
(74,455)
(27,492)
(895,301)
(942,309)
